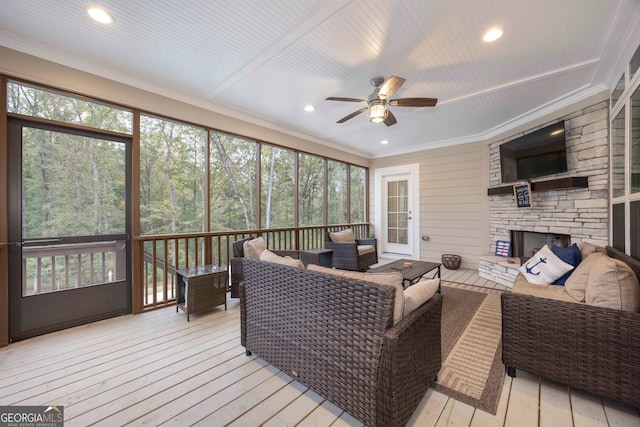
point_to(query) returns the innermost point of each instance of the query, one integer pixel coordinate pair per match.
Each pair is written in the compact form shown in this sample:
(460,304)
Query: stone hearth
(498,269)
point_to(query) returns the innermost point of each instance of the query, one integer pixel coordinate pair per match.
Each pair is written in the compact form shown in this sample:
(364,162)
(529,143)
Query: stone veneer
(581,213)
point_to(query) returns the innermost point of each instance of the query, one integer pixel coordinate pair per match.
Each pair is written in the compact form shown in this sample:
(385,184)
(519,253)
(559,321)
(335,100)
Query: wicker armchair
(345,254)
(237,274)
(590,348)
(336,336)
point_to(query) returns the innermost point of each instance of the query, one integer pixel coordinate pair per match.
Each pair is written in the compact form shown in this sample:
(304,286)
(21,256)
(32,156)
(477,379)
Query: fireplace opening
(524,244)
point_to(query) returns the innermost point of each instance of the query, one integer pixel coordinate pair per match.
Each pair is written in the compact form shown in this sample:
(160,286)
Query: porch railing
(67,266)
(156,258)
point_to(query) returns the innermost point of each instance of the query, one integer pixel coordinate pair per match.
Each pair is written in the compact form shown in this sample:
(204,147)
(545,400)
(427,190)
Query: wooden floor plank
(324,415)
(429,410)
(620,415)
(455,275)
(297,410)
(103,344)
(455,414)
(219,396)
(555,406)
(472,278)
(158,403)
(271,406)
(129,398)
(522,410)
(347,420)
(116,362)
(142,372)
(246,402)
(587,410)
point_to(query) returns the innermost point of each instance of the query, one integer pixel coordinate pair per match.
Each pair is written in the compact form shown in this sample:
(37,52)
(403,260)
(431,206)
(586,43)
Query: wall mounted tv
(539,153)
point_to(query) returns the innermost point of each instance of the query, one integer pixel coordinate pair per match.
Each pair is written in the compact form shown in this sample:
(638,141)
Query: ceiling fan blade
(389,87)
(337,98)
(414,102)
(391,119)
(352,115)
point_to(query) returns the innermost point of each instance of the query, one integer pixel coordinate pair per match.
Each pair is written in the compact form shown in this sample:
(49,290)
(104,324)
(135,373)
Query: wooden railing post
(208,255)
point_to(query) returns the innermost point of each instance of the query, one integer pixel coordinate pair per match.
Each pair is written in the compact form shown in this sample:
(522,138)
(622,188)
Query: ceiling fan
(378,102)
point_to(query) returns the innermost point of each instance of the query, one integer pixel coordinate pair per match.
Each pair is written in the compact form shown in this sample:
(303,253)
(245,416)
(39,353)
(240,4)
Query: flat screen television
(539,153)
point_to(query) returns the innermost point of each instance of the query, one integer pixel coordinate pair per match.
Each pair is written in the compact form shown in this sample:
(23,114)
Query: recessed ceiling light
(493,34)
(99,14)
(384,142)
(309,108)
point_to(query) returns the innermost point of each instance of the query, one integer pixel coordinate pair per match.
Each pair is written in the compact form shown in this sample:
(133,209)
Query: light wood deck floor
(156,369)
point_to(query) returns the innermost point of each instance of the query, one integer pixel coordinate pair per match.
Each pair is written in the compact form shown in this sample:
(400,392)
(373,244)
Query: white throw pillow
(415,295)
(544,267)
(269,256)
(253,248)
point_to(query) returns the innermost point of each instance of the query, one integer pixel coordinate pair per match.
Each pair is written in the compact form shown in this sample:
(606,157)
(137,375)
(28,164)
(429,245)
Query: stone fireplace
(558,216)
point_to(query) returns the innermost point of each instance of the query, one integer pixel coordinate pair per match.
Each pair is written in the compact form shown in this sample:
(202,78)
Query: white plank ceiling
(264,60)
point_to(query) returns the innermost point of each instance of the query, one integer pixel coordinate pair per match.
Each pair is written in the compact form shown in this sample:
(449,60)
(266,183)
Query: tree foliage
(76,185)
(172,177)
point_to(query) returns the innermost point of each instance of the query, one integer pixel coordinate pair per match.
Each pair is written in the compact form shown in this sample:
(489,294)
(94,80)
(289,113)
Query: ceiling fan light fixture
(377,111)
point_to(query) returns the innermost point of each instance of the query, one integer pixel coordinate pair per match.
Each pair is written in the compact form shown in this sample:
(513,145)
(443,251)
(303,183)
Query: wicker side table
(201,288)
(322,257)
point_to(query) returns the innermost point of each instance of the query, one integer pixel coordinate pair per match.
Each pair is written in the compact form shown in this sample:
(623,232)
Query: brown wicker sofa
(591,348)
(336,335)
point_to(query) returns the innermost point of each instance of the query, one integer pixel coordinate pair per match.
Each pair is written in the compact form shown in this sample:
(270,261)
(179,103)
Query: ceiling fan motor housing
(376,81)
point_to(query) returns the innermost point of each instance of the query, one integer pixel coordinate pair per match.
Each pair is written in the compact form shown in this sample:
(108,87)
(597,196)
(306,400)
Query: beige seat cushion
(365,249)
(587,249)
(418,293)
(343,236)
(269,256)
(389,279)
(253,248)
(576,284)
(558,293)
(613,284)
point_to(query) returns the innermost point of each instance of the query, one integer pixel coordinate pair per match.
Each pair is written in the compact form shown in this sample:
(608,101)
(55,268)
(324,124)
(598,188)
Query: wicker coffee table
(410,275)
(201,288)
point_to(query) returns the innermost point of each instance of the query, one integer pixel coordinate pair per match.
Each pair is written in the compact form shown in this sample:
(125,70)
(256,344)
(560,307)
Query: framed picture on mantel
(523,194)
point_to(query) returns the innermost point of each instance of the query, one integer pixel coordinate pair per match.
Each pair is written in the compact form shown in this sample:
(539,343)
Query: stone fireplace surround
(581,213)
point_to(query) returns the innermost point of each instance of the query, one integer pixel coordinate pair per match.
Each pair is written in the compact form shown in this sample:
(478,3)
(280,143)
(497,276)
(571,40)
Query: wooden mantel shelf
(552,184)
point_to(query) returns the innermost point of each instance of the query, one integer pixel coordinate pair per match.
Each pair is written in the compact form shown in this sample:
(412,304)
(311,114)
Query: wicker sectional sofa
(336,335)
(590,348)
